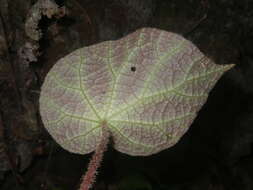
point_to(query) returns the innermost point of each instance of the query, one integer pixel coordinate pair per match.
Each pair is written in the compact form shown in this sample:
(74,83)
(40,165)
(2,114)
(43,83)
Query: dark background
(216,152)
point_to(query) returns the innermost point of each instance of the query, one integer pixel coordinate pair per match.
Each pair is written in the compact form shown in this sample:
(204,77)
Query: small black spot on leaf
(133,69)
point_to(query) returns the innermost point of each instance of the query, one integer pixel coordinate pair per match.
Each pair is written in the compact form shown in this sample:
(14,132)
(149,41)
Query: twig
(85,12)
(87,17)
(205,6)
(44,180)
(19,180)
(10,60)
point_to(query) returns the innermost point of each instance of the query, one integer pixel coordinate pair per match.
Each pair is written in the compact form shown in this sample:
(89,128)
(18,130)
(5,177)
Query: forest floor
(215,154)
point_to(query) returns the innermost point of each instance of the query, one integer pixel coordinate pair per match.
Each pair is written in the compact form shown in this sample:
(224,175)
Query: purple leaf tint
(145,88)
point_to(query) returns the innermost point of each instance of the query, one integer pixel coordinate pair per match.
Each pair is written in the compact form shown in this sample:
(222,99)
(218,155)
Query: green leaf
(147,87)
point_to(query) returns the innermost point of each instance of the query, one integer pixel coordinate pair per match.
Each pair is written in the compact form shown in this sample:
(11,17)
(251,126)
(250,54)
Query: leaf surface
(147,87)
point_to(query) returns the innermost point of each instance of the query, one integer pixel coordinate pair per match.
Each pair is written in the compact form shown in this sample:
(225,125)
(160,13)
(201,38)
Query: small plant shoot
(143,91)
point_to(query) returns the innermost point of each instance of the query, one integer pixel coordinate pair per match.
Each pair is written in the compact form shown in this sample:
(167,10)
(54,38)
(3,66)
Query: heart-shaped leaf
(145,88)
